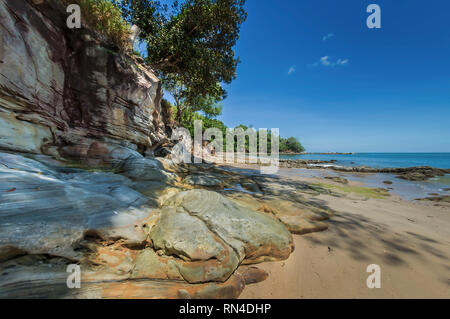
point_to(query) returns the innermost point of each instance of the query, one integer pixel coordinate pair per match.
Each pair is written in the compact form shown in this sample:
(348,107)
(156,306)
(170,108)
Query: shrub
(104,17)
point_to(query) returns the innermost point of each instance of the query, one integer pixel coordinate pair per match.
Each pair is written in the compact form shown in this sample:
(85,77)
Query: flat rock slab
(203,180)
(43,211)
(42,277)
(300,217)
(252,235)
(301,226)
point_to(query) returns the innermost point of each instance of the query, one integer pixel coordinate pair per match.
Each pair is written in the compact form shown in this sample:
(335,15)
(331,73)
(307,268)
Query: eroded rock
(206,180)
(253,275)
(42,277)
(255,237)
(114,227)
(44,211)
(70,93)
(205,256)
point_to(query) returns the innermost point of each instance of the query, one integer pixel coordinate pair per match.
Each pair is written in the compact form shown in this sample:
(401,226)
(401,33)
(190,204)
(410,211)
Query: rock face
(50,211)
(135,222)
(65,93)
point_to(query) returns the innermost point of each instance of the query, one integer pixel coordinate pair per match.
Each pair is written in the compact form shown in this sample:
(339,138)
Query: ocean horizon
(380,160)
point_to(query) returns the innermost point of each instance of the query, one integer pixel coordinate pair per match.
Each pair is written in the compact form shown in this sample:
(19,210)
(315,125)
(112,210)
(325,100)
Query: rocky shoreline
(81,183)
(182,231)
(420,173)
(81,125)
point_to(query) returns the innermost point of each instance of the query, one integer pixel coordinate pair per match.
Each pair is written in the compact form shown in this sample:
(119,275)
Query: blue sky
(313,69)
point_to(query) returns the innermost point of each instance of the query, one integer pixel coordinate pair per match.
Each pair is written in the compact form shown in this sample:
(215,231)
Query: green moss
(104,17)
(358,190)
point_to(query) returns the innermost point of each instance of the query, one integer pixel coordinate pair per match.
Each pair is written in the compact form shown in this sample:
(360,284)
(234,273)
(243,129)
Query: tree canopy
(290,145)
(191,42)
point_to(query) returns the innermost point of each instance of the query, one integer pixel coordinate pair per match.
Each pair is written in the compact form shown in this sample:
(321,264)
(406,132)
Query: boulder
(255,237)
(146,169)
(206,256)
(44,211)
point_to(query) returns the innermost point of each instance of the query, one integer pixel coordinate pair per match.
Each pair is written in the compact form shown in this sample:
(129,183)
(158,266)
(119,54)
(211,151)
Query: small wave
(324,165)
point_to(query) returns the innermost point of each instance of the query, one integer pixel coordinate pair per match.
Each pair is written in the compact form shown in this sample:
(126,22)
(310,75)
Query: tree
(207,105)
(187,103)
(146,14)
(291,145)
(178,90)
(192,41)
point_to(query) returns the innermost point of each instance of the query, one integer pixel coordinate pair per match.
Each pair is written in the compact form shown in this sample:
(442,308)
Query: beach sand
(410,241)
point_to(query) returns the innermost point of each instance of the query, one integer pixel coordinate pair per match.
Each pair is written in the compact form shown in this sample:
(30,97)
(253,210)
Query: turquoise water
(406,189)
(381,160)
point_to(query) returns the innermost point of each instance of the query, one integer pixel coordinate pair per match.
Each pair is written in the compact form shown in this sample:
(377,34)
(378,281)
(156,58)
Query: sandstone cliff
(66,93)
(144,227)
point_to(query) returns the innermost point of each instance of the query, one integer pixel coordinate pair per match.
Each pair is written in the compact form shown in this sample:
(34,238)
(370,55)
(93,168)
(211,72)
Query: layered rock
(65,93)
(137,222)
(50,211)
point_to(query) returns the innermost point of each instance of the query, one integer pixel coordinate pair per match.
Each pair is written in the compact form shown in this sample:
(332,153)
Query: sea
(407,189)
(382,160)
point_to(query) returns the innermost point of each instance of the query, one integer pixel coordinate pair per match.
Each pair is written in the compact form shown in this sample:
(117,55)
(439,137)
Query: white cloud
(326,61)
(291,70)
(342,61)
(326,37)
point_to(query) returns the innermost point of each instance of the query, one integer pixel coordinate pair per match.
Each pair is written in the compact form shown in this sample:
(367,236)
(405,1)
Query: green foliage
(291,145)
(190,44)
(148,15)
(187,103)
(207,116)
(105,18)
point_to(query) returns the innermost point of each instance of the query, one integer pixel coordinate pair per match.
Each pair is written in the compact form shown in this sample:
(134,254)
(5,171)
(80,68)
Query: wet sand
(410,241)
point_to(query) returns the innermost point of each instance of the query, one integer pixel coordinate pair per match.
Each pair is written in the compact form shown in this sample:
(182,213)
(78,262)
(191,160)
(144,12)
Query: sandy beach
(409,240)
